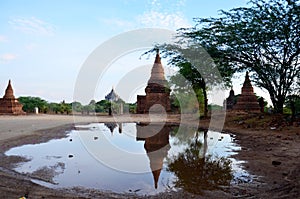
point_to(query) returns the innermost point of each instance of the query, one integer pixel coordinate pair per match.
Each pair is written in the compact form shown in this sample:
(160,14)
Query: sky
(44,44)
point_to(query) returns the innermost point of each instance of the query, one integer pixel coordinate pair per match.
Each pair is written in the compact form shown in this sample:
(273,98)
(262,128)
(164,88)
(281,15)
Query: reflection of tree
(197,173)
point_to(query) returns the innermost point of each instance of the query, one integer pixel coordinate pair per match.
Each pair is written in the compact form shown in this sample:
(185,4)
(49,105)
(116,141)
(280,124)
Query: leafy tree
(263,39)
(130,108)
(103,106)
(293,103)
(54,107)
(196,68)
(186,101)
(29,104)
(215,107)
(65,107)
(77,106)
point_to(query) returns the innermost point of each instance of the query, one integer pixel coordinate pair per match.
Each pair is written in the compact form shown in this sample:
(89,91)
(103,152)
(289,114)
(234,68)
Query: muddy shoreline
(271,154)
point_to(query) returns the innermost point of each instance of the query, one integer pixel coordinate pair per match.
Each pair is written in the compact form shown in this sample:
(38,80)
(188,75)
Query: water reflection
(112,125)
(166,156)
(156,146)
(196,171)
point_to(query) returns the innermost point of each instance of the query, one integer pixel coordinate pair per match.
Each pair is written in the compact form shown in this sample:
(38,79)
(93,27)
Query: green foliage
(187,101)
(103,106)
(292,106)
(263,39)
(213,107)
(293,100)
(77,106)
(130,108)
(29,104)
(62,108)
(196,68)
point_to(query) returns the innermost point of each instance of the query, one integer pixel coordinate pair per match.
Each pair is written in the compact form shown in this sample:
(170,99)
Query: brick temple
(9,104)
(247,101)
(157,91)
(230,100)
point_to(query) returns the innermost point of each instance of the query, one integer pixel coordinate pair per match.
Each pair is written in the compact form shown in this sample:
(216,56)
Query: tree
(54,107)
(263,39)
(184,98)
(77,106)
(103,106)
(293,103)
(196,68)
(29,103)
(65,107)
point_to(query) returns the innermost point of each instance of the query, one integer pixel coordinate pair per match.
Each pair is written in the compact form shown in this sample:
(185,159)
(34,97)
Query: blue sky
(43,44)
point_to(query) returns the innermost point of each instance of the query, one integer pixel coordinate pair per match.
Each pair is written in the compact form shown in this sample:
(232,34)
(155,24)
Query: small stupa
(9,104)
(157,90)
(247,101)
(229,102)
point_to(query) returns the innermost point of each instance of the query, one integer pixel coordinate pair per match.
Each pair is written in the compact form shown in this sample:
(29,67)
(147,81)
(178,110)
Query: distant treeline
(104,106)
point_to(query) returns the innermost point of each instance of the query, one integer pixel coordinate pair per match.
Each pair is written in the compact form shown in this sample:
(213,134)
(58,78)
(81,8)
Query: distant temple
(157,90)
(9,104)
(230,100)
(112,96)
(247,101)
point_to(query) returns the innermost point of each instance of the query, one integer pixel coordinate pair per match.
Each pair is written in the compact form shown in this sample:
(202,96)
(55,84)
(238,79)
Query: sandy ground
(272,154)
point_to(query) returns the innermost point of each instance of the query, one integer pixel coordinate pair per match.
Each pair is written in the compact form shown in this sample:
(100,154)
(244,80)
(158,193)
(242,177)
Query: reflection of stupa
(9,104)
(111,126)
(156,146)
(157,91)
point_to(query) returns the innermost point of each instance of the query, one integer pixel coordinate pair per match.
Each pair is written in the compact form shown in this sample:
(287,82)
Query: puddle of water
(135,158)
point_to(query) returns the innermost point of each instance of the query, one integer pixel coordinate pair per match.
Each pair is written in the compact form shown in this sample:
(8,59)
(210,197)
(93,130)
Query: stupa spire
(247,101)
(157,72)
(156,175)
(9,92)
(157,58)
(9,104)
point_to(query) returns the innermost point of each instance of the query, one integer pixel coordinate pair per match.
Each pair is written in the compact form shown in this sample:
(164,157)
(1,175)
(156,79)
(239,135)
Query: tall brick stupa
(157,91)
(9,104)
(247,101)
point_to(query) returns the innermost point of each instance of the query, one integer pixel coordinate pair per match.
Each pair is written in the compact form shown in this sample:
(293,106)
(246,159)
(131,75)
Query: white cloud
(3,38)
(160,14)
(32,25)
(163,20)
(151,19)
(117,22)
(7,57)
(31,46)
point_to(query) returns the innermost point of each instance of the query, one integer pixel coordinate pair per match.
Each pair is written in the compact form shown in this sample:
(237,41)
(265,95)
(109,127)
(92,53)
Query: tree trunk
(205,103)
(277,102)
(278,106)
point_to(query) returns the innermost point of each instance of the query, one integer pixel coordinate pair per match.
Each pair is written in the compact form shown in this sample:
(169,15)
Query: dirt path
(272,154)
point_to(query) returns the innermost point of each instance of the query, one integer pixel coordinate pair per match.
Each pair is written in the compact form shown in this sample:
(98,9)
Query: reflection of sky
(95,145)
(219,144)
